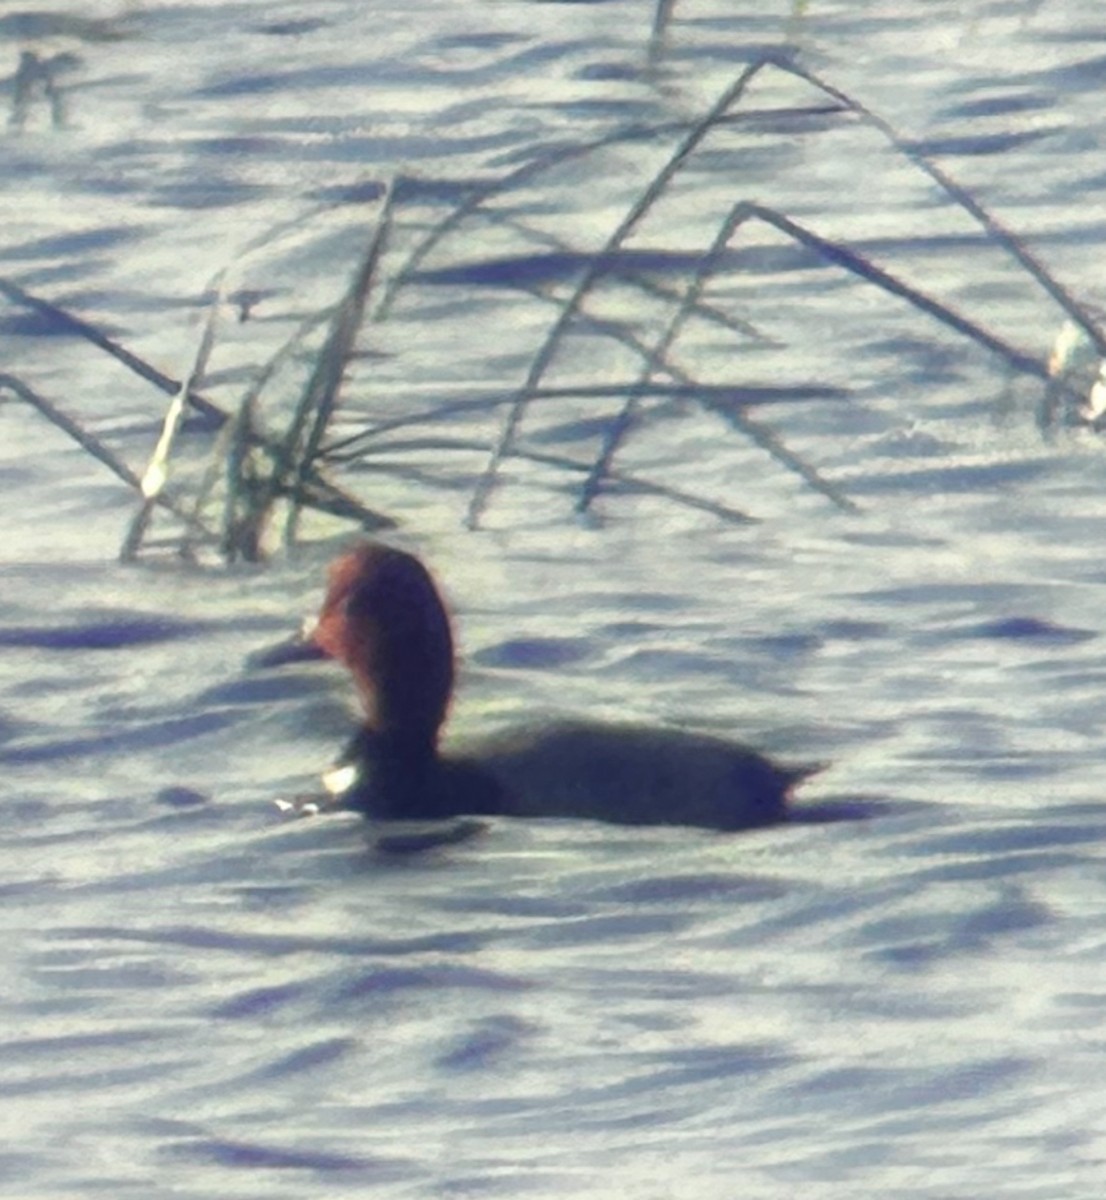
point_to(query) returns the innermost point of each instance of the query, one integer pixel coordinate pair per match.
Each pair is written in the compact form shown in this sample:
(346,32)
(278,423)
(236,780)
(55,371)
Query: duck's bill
(300,647)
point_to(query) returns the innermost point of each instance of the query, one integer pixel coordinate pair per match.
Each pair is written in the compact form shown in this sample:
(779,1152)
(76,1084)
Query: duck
(384,619)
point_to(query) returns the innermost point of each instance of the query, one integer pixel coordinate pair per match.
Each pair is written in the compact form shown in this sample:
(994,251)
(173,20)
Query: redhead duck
(383,619)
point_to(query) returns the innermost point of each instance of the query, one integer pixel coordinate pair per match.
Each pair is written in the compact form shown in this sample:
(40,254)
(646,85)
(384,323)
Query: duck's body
(384,619)
(624,774)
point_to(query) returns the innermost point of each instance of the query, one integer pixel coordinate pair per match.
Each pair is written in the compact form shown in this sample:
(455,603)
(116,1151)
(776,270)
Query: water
(202,1000)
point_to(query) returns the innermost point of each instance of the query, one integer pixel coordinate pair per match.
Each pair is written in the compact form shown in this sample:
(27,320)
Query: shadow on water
(859,808)
(415,839)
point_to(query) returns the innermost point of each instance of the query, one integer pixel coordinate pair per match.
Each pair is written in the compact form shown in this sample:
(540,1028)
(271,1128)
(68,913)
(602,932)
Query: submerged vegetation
(228,474)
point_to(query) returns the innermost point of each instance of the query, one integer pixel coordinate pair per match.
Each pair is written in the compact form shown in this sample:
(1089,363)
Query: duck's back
(632,775)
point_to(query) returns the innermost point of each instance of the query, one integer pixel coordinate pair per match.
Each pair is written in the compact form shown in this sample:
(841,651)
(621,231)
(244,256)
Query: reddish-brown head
(384,619)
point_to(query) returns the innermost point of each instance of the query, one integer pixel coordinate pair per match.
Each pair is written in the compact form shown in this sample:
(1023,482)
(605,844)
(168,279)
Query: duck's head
(384,620)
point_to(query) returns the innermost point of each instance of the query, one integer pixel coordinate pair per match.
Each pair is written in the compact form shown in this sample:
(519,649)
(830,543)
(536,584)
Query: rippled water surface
(203,1000)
